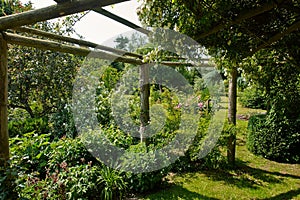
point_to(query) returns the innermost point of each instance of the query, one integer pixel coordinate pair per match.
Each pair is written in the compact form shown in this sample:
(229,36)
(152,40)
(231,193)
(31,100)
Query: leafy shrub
(255,120)
(62,123)
(252,97)
(137,162)
(62,169)
(191,160)
(112,184)
(79,182)
(274,138)
(20,127)
(8,175)
(71,151)
(28,152)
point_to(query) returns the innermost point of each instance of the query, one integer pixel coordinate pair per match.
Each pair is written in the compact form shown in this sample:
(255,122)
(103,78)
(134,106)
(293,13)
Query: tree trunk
(144,95)
(4,143)
(232,95)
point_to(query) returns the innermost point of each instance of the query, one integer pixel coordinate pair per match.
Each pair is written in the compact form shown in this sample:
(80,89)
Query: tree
(40,81)
(231,30)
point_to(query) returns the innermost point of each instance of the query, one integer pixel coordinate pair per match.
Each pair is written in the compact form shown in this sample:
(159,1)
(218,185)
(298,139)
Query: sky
(97,28)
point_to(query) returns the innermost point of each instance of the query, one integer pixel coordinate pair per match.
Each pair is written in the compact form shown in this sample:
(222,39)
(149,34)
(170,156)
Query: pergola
(16,22)
(11,25)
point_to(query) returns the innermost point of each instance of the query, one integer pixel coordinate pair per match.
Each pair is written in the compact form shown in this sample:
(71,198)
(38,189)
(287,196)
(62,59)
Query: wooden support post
(145,106)
(4,144)
(232,95)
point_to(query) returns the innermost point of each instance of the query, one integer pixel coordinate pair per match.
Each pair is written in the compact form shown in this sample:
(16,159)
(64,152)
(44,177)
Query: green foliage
(274,137)
(113,184)
(41,81)
(143,158)
(20,127)
(71,151)
(146,182)
(8,7)
(79,182)
(207,22)
(255,120)
(28,152)
(104,90)
(62,169)
(191,161)
(8,175)
(62,123)
(252,97)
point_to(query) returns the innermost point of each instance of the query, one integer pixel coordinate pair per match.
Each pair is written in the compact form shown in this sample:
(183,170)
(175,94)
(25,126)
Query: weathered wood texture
(144,98)
(75,41)
(51,12)
(64,48)
(56,46)
(121,20)
(232,95)
(4,144)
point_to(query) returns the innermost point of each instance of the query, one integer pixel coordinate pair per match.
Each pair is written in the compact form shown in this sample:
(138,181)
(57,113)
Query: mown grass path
(253,178)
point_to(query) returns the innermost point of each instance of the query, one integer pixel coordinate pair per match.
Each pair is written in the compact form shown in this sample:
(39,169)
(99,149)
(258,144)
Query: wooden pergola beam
(121,20)
(81,51)
(51,12)
(55,46)
(4,143)
(75,41)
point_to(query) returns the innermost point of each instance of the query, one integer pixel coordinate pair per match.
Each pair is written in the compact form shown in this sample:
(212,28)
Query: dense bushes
(62,169)
(43,168)
(274,138)
(49,162)
(252,97)
(20,127)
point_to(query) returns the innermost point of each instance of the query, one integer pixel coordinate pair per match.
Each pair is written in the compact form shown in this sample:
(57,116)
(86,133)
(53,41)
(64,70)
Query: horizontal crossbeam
(121,20)
(51,12)
(75,41)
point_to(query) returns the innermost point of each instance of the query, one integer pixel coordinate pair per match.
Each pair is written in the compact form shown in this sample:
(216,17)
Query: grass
(253,177)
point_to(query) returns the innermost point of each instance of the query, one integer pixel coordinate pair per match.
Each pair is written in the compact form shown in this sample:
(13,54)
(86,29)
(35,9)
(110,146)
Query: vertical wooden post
(4,144)
(232,95)
(144,96)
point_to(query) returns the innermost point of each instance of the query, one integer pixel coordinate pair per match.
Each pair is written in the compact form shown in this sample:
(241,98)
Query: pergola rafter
(76,41)
(121,20)
(51,12)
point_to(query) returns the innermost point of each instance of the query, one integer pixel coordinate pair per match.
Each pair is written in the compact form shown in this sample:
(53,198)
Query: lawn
(253,177)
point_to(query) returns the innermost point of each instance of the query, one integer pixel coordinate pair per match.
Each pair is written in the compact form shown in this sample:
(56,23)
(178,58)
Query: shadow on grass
(177,192)
(286,195)
(244,176)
